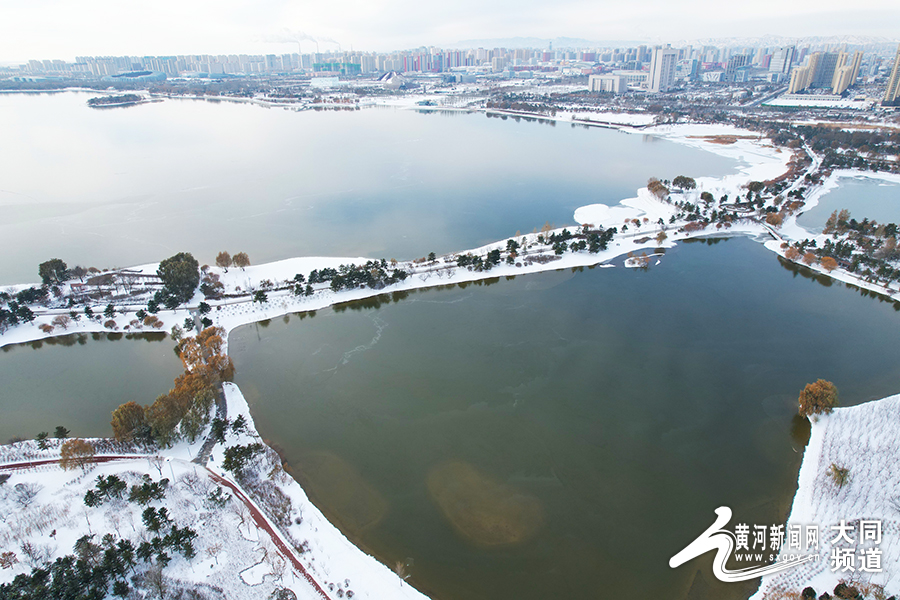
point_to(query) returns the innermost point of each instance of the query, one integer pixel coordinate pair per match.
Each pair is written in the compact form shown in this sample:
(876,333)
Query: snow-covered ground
(227,542)
(858,103)
(862,439)
(232,553)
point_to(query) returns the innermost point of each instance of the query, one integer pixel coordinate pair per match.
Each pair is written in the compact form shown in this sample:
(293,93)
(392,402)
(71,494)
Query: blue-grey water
(126,186)
(862,196)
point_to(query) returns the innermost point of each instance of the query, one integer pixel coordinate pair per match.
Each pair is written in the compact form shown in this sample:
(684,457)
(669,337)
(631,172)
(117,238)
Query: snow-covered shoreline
(757,160)
(861,439)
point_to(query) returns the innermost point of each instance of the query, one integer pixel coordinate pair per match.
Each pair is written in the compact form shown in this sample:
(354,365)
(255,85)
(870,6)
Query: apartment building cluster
(835,71)
(615,70)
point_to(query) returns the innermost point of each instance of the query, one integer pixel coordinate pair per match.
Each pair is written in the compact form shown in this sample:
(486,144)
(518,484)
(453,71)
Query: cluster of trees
(185,409)
(113,488)
(477,263)
(861,149)
(237,457)
(13,314)
(374,274)
(123,99)
(17,310)
(818,398)
(97,570)
(586,239)
(168,536)
(107,488)
(868,248)
(760,201)
(211,287)
(60,433)
(225,260)
(514,103)
(94,571)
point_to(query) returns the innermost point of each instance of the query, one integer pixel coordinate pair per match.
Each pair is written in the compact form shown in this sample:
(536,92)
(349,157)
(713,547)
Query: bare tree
(156,582)
(61,321)
(25,493)
(277,565)
(213,550)
(223,260)
(38,554)
(157,462)
(114,519)
(240,260)
(76,453)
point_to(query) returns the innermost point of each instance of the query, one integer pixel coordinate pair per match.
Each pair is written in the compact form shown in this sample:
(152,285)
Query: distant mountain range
(764,41)
(779,40)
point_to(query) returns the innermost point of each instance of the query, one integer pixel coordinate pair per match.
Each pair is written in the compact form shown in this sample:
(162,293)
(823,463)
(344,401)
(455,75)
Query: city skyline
(56,29)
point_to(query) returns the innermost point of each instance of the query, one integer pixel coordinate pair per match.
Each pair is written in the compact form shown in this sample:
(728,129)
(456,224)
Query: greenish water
(77,380)
(863,197)
(564,433)
(134,185)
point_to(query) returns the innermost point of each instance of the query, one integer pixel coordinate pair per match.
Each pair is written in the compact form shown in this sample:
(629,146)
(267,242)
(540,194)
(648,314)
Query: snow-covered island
(255,560)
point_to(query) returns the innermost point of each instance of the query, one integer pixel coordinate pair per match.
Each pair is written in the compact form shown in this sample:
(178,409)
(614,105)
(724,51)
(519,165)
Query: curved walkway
(256,514)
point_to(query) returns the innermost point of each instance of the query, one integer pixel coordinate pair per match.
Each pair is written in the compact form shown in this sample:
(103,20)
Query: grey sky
(66,28)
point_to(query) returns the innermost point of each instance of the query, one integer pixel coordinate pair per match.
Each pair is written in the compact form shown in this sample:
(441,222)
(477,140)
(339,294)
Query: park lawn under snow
(227,542)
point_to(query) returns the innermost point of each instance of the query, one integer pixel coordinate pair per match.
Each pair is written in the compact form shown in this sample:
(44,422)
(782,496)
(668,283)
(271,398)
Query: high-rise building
(846,72)
(803,77)
(823,76)
(782,60)
(736,62)
(617,84)
(892,93)
(662,69)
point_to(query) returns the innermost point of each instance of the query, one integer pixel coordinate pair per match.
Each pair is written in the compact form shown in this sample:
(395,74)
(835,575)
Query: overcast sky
(66,28)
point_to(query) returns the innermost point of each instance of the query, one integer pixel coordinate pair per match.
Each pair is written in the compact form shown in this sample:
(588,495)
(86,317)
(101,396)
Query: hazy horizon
(55,29)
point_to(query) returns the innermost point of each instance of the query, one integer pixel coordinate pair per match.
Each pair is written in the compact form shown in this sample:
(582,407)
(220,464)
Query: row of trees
(592,240)
(185,409)
(373,274)
(225,260)
(94,571)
